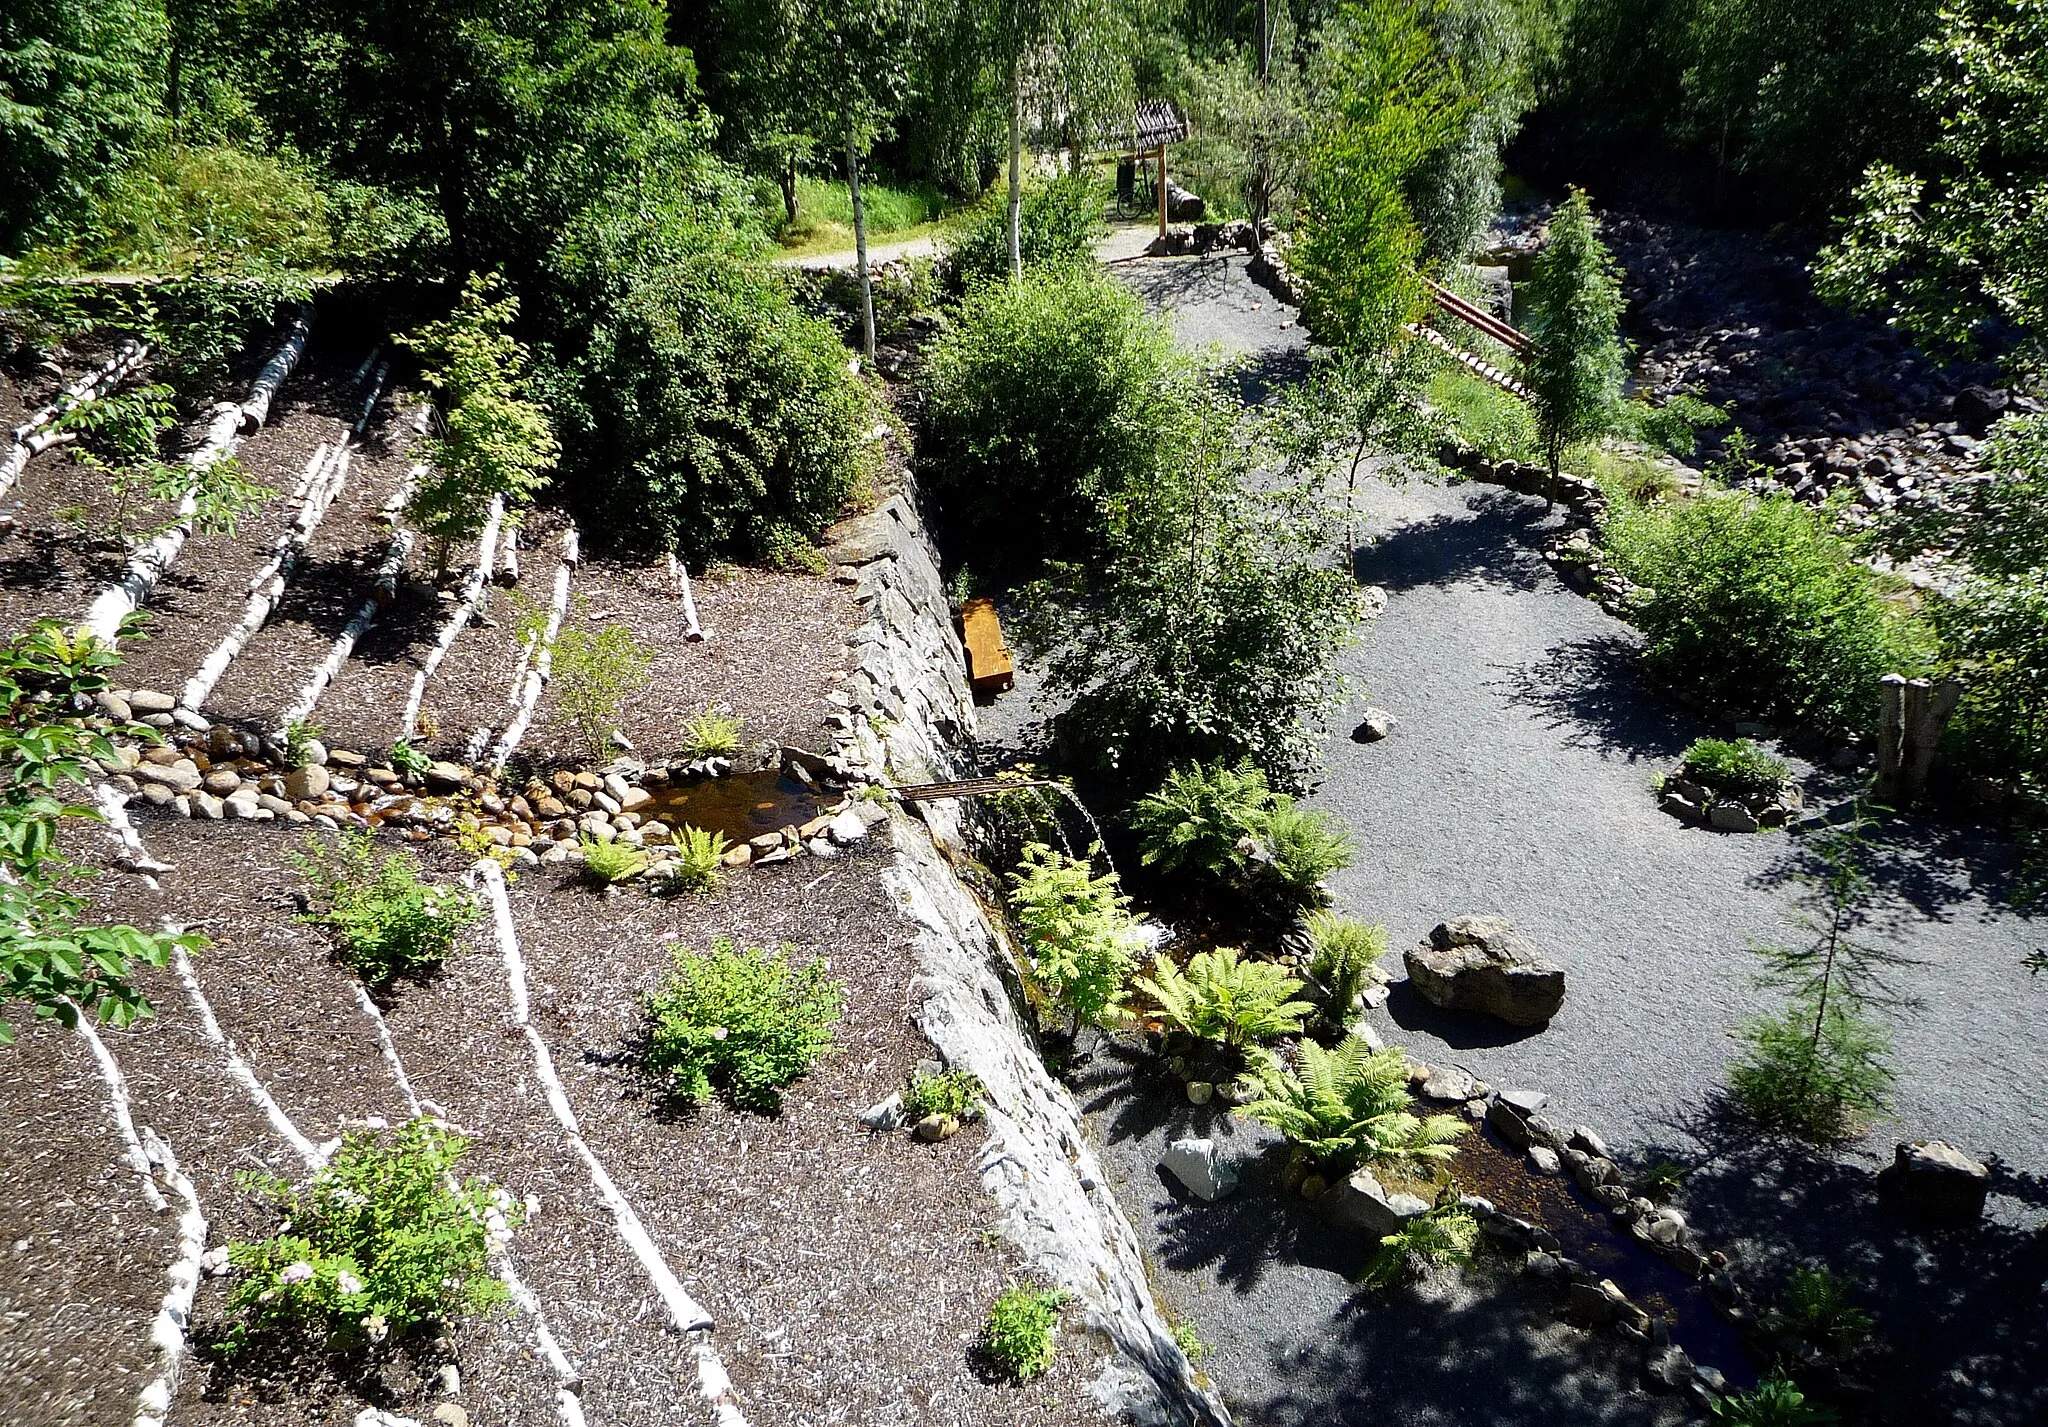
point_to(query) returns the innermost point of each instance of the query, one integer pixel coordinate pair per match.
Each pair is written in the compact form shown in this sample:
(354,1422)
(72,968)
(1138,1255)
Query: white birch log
(267,585)
(473,587)
(117,1098)
(315,1156)
(381,594)
(35,436)
(679,576)
(146,565)
(255,409)
(535,678)
(167,1330)
(508,557)
(134,856)
(685,1314)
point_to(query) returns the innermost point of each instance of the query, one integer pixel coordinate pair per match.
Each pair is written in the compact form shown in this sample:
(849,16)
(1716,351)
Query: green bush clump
(1227,823)
(748,1021)
(1018,1337)
(1224,998)
(1345,956)
(1350,1106)
(1057,225)
(1754,603)
(386,921)
(698,861)
(1816,1307)
(609,863)
(1817,1072)
(958,1093)
(1044,403)
(711,734)
(1079,934)
(1446,1234)
(1493,422)
(594,675)
(1735,768)
(1776,1401)
(378,1243)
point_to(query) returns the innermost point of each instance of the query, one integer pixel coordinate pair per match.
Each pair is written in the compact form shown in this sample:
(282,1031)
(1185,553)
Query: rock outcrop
(1481,963)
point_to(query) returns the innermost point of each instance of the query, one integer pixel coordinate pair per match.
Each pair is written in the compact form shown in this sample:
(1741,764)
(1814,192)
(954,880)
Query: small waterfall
(1101,843)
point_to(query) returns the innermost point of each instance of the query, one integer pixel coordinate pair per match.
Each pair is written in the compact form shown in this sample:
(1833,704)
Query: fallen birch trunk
(679,576)
(146,566)
(36,435)
(473,587)
(314,1155)
(167,1329)
(508,558)
(267,585)
(535,678)
(381,594)
(255,409)
(117,1098)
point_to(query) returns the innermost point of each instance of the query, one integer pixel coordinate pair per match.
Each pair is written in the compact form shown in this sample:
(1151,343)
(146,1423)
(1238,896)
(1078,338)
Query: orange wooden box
(989,667)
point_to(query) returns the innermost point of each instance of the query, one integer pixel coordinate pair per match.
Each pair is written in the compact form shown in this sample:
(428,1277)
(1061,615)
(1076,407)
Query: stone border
(906,710)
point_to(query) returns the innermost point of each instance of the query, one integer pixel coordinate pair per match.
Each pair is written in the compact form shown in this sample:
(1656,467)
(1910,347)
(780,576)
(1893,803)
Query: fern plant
(1078,930)
(1350,1106)
(1223,997)
(606,863)
(1774,1402)
(1204,818)
(711,734)
(1346,956)
(1446,1234)
(1302,847)
(698,863)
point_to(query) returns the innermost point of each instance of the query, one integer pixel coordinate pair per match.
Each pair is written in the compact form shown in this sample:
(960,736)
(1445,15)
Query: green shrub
(1774,1402)
(299,738)
(747,1021)
(1350,1106)
(1304,847)
(1203,818)
(1816,1307)
(958,1093)
(594,675)
(1493,422)
(1224,998)
(1078,932)
(1754,603)
(407,758)
(187,206)
(378,1243)
(1345,956)
(1044,403)
(1057,226)
(385,921)
(1821,1087)
(1734,769)
(1661,1182)
(1018,1337)
(698,862)
(711,734)
(609,863)
(1446,1234)
(701,412)
(1674,426)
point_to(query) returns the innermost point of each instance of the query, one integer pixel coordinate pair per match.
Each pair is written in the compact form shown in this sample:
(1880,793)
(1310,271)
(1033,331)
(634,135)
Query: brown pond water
(1490,1169)
(741,805)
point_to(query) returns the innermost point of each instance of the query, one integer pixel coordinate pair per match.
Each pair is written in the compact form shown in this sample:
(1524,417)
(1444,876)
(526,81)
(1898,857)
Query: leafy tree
(759,79)
(51,956)
(1962,239)
(1454,190)
(78,87)
(1394,99)
(494,444)
(1575,301)
(1361,404)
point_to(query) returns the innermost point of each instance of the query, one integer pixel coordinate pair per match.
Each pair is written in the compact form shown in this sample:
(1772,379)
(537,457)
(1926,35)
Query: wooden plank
(989,667)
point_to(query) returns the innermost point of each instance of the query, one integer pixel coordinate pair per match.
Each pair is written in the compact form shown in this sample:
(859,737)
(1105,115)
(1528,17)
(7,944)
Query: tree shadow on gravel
(1929,865)
(1594,689)
(1122,1084)
(1472,1352)
(1962,1314)
(1497,542)
(1241,1237)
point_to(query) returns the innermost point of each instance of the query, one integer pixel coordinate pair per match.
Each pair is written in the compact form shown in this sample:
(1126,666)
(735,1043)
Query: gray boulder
(1481,963)
(1196,1164)
(1376,725)
(1361,1202)
(1934,1180)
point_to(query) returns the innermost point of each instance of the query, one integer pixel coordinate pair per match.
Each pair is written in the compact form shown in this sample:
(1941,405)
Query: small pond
(741,805)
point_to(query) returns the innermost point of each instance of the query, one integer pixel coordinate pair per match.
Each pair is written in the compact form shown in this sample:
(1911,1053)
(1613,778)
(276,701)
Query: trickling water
(1101,843)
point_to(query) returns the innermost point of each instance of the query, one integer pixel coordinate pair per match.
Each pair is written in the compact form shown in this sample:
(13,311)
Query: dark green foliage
(1058,224)
(958,1093)
(1445,1234)
(1226,823)
(1078,932)
(1454,190)
(1773,1402)
(378,1243)
(748,1021)
(1755,604)
(51,956)
(1046,403)
(1018,1337)
(1225,997)
(1816,1307)
(1733,768)
(1575,301)
(386,921)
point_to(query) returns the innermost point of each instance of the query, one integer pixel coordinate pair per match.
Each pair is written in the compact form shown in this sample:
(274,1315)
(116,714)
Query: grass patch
(1500,426)
(895,213)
